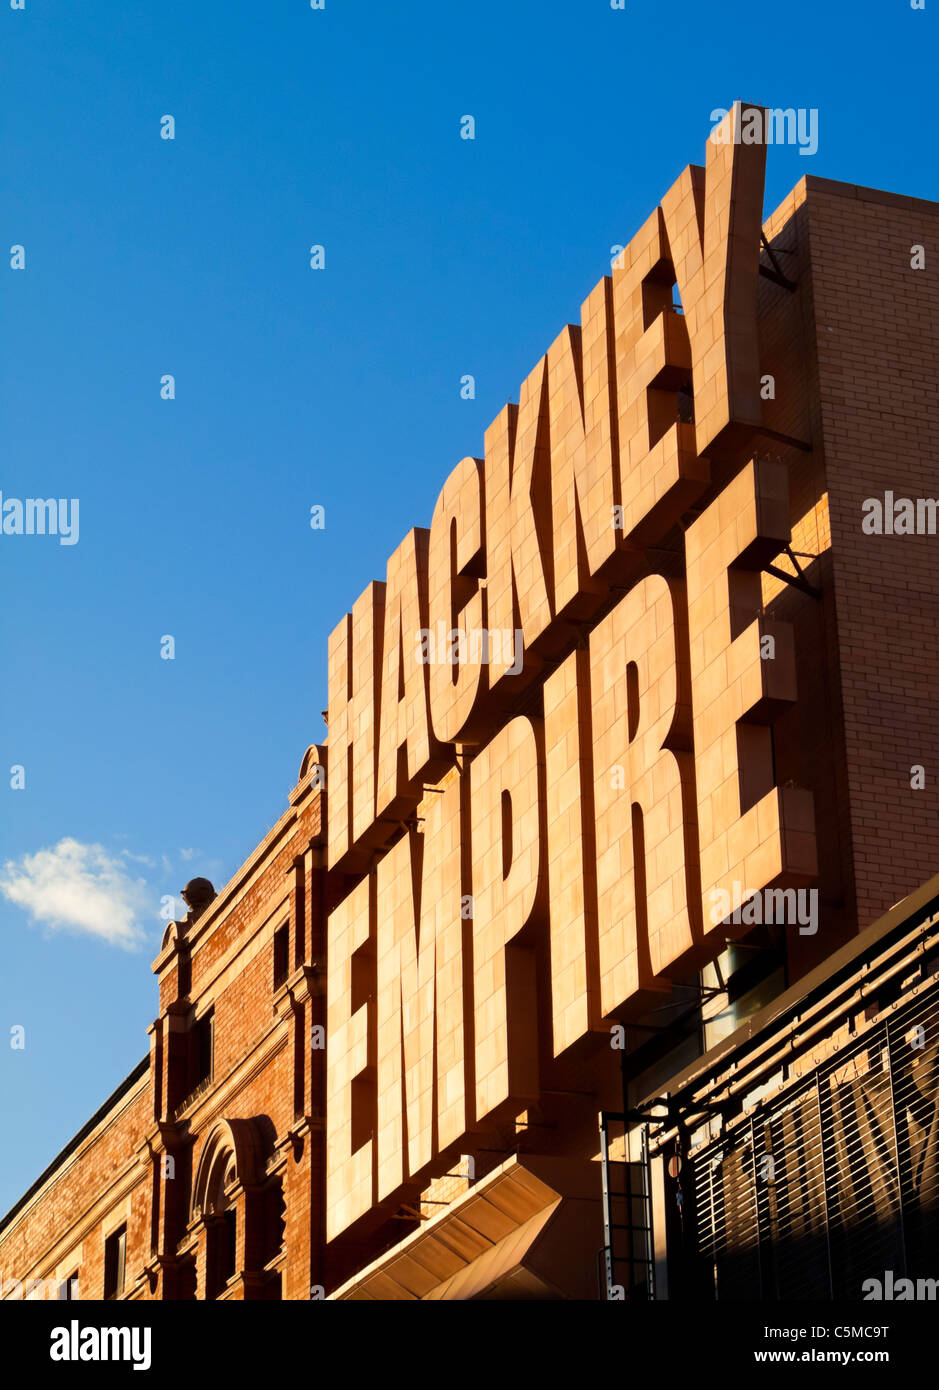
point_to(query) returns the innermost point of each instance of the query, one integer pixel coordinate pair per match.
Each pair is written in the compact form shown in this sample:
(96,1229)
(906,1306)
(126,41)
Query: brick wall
(877,332)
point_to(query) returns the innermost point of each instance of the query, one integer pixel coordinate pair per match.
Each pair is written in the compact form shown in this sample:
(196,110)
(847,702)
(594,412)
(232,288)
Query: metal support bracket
(797,580)
(776,274)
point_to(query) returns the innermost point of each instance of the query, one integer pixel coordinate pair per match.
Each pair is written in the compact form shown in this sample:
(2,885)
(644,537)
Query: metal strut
(776,274)
(797,580)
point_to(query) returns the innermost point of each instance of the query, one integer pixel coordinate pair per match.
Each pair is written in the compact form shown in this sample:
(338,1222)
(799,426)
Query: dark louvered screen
(795,1194)
(836,1180)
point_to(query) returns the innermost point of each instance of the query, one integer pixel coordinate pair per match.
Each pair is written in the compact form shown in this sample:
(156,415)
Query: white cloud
(187,854)
(76,887)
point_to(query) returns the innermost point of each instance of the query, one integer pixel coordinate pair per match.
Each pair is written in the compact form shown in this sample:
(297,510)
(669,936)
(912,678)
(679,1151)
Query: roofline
(126,1085)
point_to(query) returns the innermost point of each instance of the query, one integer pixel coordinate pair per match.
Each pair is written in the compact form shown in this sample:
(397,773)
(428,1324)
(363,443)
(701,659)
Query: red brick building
(205,1161)
(203,1175)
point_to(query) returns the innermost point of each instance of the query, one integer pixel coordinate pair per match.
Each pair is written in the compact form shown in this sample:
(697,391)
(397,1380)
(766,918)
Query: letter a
(59,1348)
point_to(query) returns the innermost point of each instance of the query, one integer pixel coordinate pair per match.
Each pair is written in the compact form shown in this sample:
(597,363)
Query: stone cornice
(237,887)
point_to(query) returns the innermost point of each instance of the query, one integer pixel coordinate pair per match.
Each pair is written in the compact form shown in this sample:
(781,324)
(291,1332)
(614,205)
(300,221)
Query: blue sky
(295,387)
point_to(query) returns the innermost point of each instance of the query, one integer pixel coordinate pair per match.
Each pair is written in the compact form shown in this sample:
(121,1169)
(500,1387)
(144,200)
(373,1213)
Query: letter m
(118,1338)
(38,513)
(926,516)
(780,905)
(420,996)
(781,127)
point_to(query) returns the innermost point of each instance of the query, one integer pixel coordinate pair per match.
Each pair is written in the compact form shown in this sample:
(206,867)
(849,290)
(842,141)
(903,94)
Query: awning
(530,1229)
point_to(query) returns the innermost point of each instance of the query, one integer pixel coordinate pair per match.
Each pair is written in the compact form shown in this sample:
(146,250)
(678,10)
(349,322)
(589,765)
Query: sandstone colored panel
(505,792)
(421,1053)
(405,745)
(713,219)
(583,464)
(518,523)
(572,907)
(354,686)
(660,471)
(455,563)
(349,1063)
(751,832)
(643,794)
(443,917)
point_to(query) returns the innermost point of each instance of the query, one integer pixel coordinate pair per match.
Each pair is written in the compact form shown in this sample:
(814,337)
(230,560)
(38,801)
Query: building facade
(593,956)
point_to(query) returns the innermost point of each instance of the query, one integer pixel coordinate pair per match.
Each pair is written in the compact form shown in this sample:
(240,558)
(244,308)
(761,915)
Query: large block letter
(661,474)
(505,791)
(644,795)
(752,833)
(354,692)
(572,888)
(714,218)
(583,466)
(518,526)
(455,566)
(405,744)
(420,995)
(350,1060)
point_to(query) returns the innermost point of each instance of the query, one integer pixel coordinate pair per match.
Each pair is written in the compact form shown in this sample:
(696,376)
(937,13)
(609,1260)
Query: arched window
(237,1224)
(221,1224)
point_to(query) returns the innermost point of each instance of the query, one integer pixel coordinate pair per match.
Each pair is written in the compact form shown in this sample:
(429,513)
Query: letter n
(583,477)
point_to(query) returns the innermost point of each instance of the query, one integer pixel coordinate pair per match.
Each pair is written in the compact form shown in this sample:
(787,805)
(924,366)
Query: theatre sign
(550,728)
